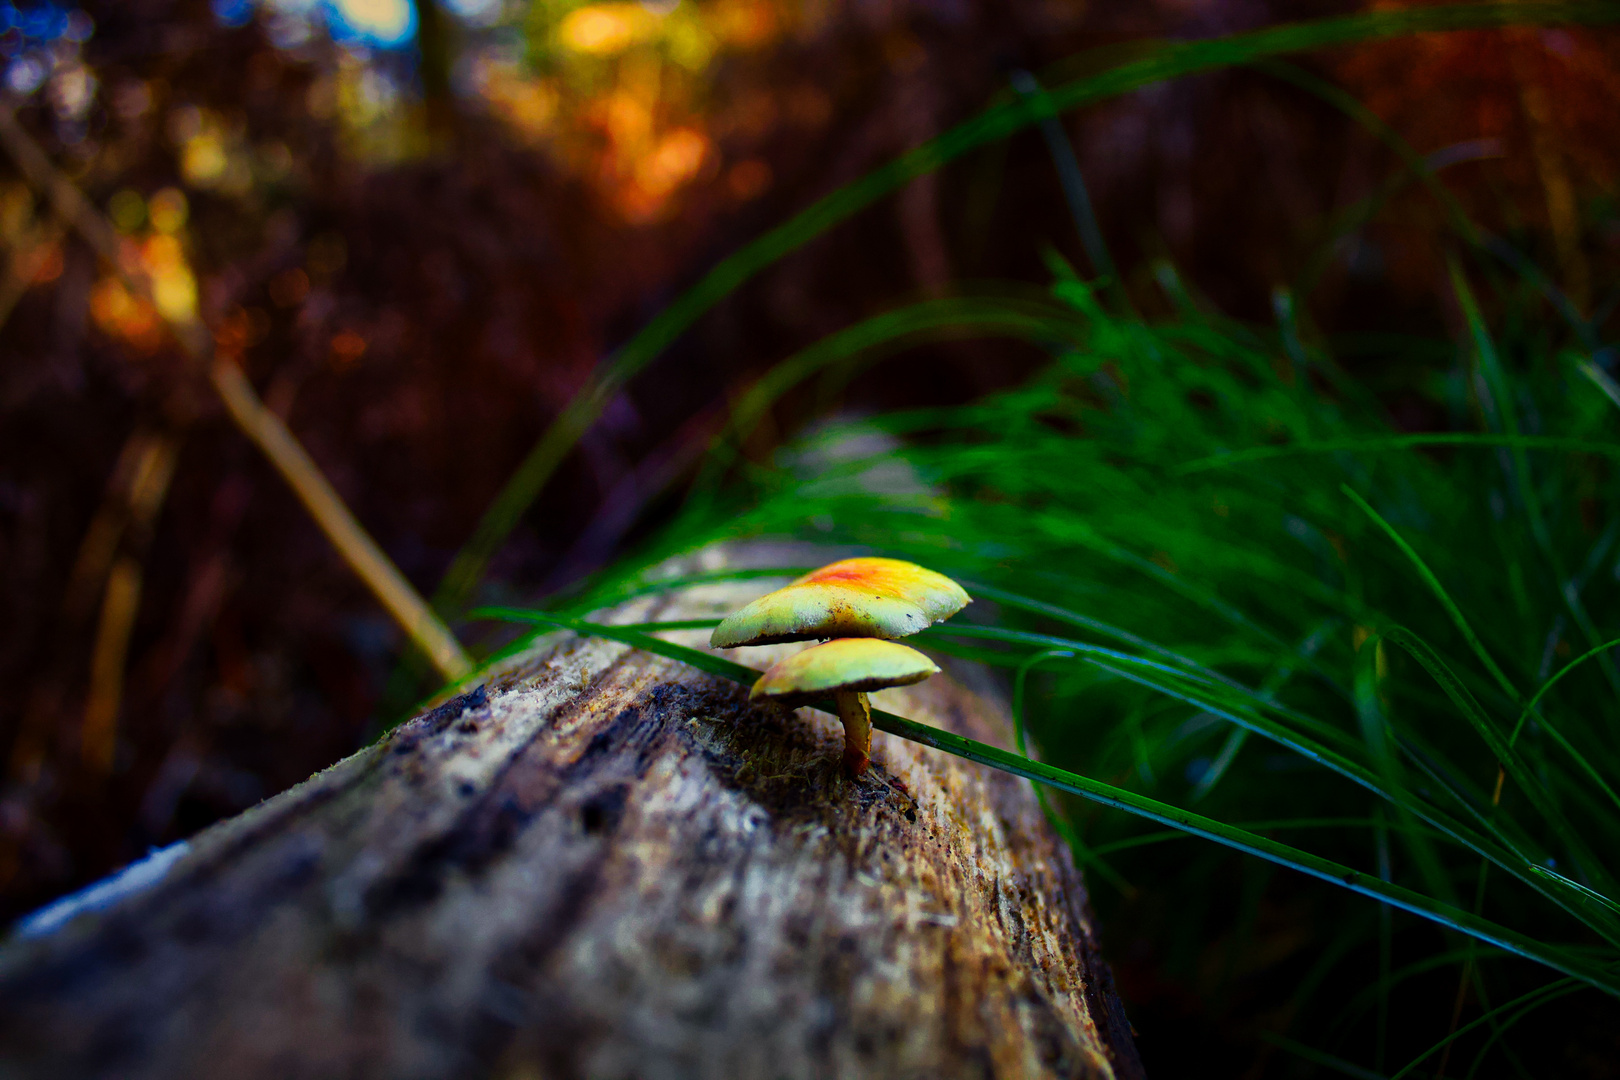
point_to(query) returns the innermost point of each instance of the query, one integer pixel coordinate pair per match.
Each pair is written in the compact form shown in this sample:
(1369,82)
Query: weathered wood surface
(603,864)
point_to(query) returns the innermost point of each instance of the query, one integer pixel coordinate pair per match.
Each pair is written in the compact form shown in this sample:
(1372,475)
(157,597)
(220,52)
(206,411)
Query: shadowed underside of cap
(878,598)
(853,664)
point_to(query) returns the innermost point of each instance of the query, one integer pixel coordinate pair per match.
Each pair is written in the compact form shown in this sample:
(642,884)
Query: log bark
(599,864)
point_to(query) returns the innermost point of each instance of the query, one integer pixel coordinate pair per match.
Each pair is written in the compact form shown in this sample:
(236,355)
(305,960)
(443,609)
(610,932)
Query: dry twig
(263,427)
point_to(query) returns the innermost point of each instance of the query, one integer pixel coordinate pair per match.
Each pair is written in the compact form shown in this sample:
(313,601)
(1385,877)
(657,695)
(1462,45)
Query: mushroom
(854,601)
(873,598)
(847,668)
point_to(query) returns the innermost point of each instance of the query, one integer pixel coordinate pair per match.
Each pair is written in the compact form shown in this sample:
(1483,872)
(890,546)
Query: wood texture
(600,864)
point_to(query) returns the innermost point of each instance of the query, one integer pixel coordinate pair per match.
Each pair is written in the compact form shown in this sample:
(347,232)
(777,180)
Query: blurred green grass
(1260,602)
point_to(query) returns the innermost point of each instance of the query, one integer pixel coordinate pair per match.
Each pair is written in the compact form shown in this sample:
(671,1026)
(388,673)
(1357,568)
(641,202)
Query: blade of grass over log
(1248,721)
(1569,962)
(1166,61)
(1060,824)
(635,585)
(1201,677)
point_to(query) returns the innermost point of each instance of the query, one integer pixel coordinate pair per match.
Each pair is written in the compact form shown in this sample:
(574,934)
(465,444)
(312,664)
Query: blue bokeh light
(39,22)
(383,24)
(379,24)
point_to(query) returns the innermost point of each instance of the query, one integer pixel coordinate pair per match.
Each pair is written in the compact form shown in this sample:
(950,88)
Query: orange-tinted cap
(856,664)
(879,598)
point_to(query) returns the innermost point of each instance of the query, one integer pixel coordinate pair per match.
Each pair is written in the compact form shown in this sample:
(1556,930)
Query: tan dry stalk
(324,504)
(98,738)
(260,425)
(148,488)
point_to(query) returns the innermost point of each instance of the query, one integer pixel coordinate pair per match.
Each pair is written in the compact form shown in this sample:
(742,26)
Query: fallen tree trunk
(599,864)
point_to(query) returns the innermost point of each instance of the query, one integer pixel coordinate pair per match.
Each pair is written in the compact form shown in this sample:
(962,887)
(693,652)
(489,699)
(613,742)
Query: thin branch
(147,488)
(98,736)
(260,425)
(327,508)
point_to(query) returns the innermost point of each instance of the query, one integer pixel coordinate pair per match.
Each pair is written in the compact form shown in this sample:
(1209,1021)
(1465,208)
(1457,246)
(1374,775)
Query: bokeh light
(385,23)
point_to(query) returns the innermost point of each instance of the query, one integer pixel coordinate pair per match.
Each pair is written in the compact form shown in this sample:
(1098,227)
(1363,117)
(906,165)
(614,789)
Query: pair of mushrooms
(859,604)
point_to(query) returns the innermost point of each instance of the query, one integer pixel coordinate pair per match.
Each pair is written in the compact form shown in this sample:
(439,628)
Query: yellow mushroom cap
(854,664)
(868,597)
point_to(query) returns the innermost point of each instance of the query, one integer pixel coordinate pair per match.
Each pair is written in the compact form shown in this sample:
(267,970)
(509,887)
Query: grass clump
(1235,601)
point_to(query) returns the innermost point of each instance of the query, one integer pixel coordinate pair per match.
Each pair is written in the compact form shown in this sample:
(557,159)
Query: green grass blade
(1166,835)
(1060,824)
(1553,989)
(1499,849)
(1321,1057)
(1501,1030)
(1391,443)
(1074,188)
(1507,756)
(955,317)
(1440,593)
(1602,380)
(1372,122)
(1506,411)
(1529,709)
(1375,731)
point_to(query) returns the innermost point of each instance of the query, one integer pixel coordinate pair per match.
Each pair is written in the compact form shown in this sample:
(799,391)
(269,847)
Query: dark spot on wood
(602,813)
(604,740)
(507,822)
(1017,930)
(446,714)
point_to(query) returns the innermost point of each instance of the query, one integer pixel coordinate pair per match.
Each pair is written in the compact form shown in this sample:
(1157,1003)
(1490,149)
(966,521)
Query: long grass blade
(1540,994)
(1446,602)
(1392,443)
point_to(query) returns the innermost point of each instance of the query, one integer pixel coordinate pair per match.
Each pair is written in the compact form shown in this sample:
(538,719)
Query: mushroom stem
(855,710)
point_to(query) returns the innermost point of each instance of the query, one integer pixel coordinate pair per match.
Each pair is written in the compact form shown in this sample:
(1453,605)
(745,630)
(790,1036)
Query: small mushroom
(847,668)
(867,597)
